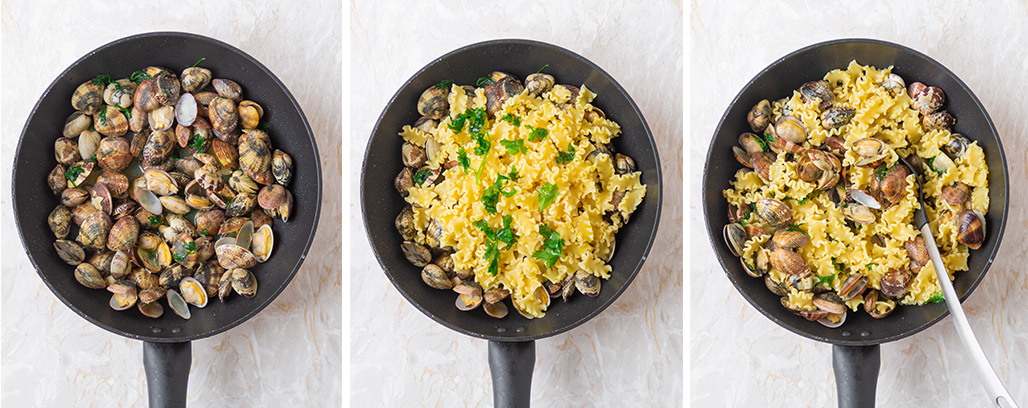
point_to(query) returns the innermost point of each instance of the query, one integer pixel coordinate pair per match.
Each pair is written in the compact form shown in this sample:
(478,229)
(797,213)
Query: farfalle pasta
(825,216)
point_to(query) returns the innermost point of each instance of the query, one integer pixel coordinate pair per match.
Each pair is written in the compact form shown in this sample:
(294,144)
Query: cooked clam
(59,221)
(735,237)
(538,83)
(243,282)
(232,256)
(69,251)
(271,196)
(896,282)
(114,153)
(497,94)
(859,213)
(773,212)
(194,79)
(416,254)
(123,234)
(110,121)
(66,151)
(282,167)
(158,148)
(820,90)
(77,123)
(791,129)
(250,114)
(178,304)
(262,243)
(788,262)
(89,277)
(56,179)
(956,194)
(836,117)
(94,230)
(470,295)
(587,283)
(193,292)
(88,98)
(759,116)
(971,228)
(255,156)
(240,205)
(185,110)
(223,115)
(436,277)
(852,286)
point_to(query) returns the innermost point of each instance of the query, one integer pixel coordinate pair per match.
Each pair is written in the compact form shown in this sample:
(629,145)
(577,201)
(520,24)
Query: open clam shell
(262,243)
(193,291)
(232,256)
(178,304)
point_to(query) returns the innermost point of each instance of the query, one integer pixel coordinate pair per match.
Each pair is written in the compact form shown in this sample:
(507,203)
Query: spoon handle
(997,393)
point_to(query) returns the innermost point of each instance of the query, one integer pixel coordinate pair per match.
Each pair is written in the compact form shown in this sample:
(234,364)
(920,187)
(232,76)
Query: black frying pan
(856,344)
(166,351)
(512,346)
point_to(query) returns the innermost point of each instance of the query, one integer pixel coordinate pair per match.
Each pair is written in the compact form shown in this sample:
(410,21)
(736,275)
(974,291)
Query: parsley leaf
(931,165)
(102,80)
(796,228)
(552,246)
(444,84)
(103,115)
(808,197)
(883,170)
(197,142)
(177,257)
(937,297)
(198,62)
(541,69)
(190,246)
(871,265)
(139,76)
(506,234)
(73,173)
(512,119)
(827,280)
(156,219)
(484,81)
(514,146)
(491,196)
(421,176)
(537,134)
(462,158)
(564,158)
(547,193)
(513,175)
(128,113)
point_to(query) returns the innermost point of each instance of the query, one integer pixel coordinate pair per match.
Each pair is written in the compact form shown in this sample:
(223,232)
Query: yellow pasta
(511,184)
(839,248)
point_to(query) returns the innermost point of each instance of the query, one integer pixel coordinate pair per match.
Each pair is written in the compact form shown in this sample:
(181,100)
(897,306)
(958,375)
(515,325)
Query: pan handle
(511,365)
(167,372)
(856,374)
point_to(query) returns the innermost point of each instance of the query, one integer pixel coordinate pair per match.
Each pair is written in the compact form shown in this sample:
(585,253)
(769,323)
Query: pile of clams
(167,189)
(822,165)
(438,270)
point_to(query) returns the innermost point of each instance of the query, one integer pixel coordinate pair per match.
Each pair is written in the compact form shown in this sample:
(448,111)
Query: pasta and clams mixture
(513,190)
(823,211)
(167,188)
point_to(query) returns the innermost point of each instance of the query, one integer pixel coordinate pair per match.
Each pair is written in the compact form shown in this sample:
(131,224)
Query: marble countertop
(288,355)
(741,358)
(629,355)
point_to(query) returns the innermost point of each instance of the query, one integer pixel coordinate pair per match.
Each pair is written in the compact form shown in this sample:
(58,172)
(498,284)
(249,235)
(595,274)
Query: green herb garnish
(827,280)
(128,113)
(155,219)
(190,246)
(514,146)
(264,127)
(762,143)
(796,228)
(541,69)
(177,257)
(196,143)
(937,297)
(537,134)
(491,195)
(552,246)
(513,175)
(883,170)
(931,165)
(421,176)
(566,157)
(838,267)
(73,173)
(444,84)
(512,119)
(103,115)
(872,264)
(505,235)
(198,62)
(808,197)
(102,80)
(462,158)
(547,193)
(139,76)
(484,81)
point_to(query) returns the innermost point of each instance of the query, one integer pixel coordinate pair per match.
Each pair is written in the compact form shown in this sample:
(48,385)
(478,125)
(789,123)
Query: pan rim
(1002,220)
(652,235)
(316,208)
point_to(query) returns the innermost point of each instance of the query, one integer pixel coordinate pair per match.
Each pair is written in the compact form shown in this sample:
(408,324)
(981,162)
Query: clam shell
(185,110)
(152,310)
(971,228)
(89,276)
(228,88)
(175,204)
(255,156)
(759,116)
(243,282)
(436,277)
(223,115)
(178,304)
(788,262)
(226,154)
(587,283)
(94,231)
(123,301)
(69,251)
(790,239)
(123,234)
(433,104)
(232,256)
(497,310)
(162,118)
(110,121)
(121,264)
(193,292)
(77,123)
(59,221)
(250,114)
(773,212)
(158,148)
(262,243)
(194,79)
(114,153)
(88,98)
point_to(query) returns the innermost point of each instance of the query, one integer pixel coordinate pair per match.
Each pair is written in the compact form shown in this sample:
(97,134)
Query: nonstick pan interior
(289,132)
(381,203)
(812,63)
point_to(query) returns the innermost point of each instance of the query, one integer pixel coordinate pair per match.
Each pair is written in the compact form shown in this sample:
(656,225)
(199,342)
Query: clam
(863,198)
(245,235)
(871,150)
(852,286)
(773,212)
(942,163)
(89,277)
(243,282)
(894,184)
(837,117)
(791,129)
(56,179)
(188,165)
(470,295)
(894,84)
(833,320)
(775,286)
(260,218)
(250,114)
(119,93)
(896,282)
(623,164)
(285,210)
(415,253)
(158,148)
(735,237)
(587,283)
(255,156)
(405,224)
(926,99)
(123,234)
(171,276)
(77,123)
(425,124)
(432,103)
(124,294)
(872,303)
(403,181)
(956,145)
(59,221)
(209,221)
(228,89)
(137,120)
(538,83)
(835,146)
(110,121)
(203,103)
(66,151)
(759,116)
(572,90)
(160,182)
(151,310)
(184,250)
(225,285)
(121,264)
(232,256)
(820,90)
(497,94)
(185,110)
(145,97)
(240,205)
(262,243)
(788,262)
(209,274)
(101,198)
(194,79)
(282,167)
(938,120)
(751,143)
(152,293)
(149,201)
(116,183)
(80,212)
(227,155)
(73,197)
(193,292)
(271,196)
(412,155)
(497,309)
(741,156)
(436,277)
(223,115)
(790,239)
(69,251)
(956,194)
(88,98)
(242,183)
(123,208)
(830,302)
(167,88)
(971,228)
(144,280)
(232,225)
(161,118)
(94,230)
(762,164)
(178,304)
(593,114)
(859,213)
(202,136)
(114,153)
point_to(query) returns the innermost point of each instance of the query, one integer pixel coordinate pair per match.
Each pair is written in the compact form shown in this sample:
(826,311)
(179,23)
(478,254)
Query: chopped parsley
(444,84)
(827,280)
(73,173)
(198,62)
(190,246)
(745,216)
(103,115)
(931,165)
(128,113)
(512,119)
(421,176)
(513,175)
(177,257)
(537,134)
(883,170)
(808,197)
(155,219)
(264,127)
(796,228)
(462,158)
(196,143)
(937,297)
(547,193)
(514,146)
(762,143)
(838,266)
(491,196)
(566,157)
(102,80)
(541,69)
(484,81)
(505,235)
(552,246)
(871,265)
(139,76)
